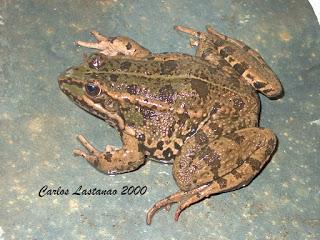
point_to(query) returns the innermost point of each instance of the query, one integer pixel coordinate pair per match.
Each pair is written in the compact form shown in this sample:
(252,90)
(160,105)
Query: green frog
(199,113)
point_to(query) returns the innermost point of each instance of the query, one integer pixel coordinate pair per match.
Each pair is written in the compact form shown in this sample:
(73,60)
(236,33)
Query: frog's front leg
(210,167)
(116,46)
(113,161)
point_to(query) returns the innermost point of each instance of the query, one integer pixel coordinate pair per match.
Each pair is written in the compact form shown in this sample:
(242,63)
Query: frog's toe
(99,36)
(91,158)
(93,45)
(91,149)
(189,31)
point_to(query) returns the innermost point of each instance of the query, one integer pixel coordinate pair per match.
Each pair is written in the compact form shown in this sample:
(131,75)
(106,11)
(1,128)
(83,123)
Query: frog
(199,113)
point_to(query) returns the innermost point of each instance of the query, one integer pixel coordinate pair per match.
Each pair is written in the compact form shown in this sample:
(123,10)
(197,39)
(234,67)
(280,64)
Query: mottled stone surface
(38,124)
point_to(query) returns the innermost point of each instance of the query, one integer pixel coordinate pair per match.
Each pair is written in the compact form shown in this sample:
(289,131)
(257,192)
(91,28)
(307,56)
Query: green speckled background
(38,124)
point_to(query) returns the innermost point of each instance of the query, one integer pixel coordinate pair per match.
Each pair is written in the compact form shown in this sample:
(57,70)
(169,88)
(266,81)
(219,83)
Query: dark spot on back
(200,87)
(125,66)
(168,67)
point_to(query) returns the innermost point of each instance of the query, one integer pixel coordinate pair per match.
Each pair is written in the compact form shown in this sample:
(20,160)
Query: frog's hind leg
(116,46)
(222,165)
(206,49)
(246,61)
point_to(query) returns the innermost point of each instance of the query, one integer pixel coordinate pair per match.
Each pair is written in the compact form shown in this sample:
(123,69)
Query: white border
(316,8)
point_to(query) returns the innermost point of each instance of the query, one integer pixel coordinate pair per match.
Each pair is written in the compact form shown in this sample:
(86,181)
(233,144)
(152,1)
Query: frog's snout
(64,75)
(64,79)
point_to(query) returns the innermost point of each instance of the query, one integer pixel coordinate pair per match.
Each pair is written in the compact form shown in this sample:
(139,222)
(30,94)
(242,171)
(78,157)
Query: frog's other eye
(96,61)
(93,89)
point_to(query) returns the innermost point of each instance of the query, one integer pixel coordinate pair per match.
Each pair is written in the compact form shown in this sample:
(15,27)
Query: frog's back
(186,81)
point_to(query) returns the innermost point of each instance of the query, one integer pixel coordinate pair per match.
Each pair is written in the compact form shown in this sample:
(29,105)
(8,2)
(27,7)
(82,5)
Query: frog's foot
(179,197)
(111,160)
(196,36)
(115,46)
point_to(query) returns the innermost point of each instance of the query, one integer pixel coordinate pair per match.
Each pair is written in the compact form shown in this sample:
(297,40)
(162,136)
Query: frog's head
(87,86)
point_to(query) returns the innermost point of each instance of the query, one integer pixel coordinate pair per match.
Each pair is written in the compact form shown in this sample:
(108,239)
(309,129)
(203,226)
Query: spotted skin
(246,61)
(199,113)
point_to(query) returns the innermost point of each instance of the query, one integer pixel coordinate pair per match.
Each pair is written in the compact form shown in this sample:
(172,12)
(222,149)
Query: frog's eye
(93,89)
(96,61)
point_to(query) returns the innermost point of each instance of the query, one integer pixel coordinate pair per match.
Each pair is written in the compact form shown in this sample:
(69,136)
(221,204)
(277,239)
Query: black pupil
(92,89)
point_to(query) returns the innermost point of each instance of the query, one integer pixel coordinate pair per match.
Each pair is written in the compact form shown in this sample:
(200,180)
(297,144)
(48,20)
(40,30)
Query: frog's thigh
(114,161)
(226,163)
